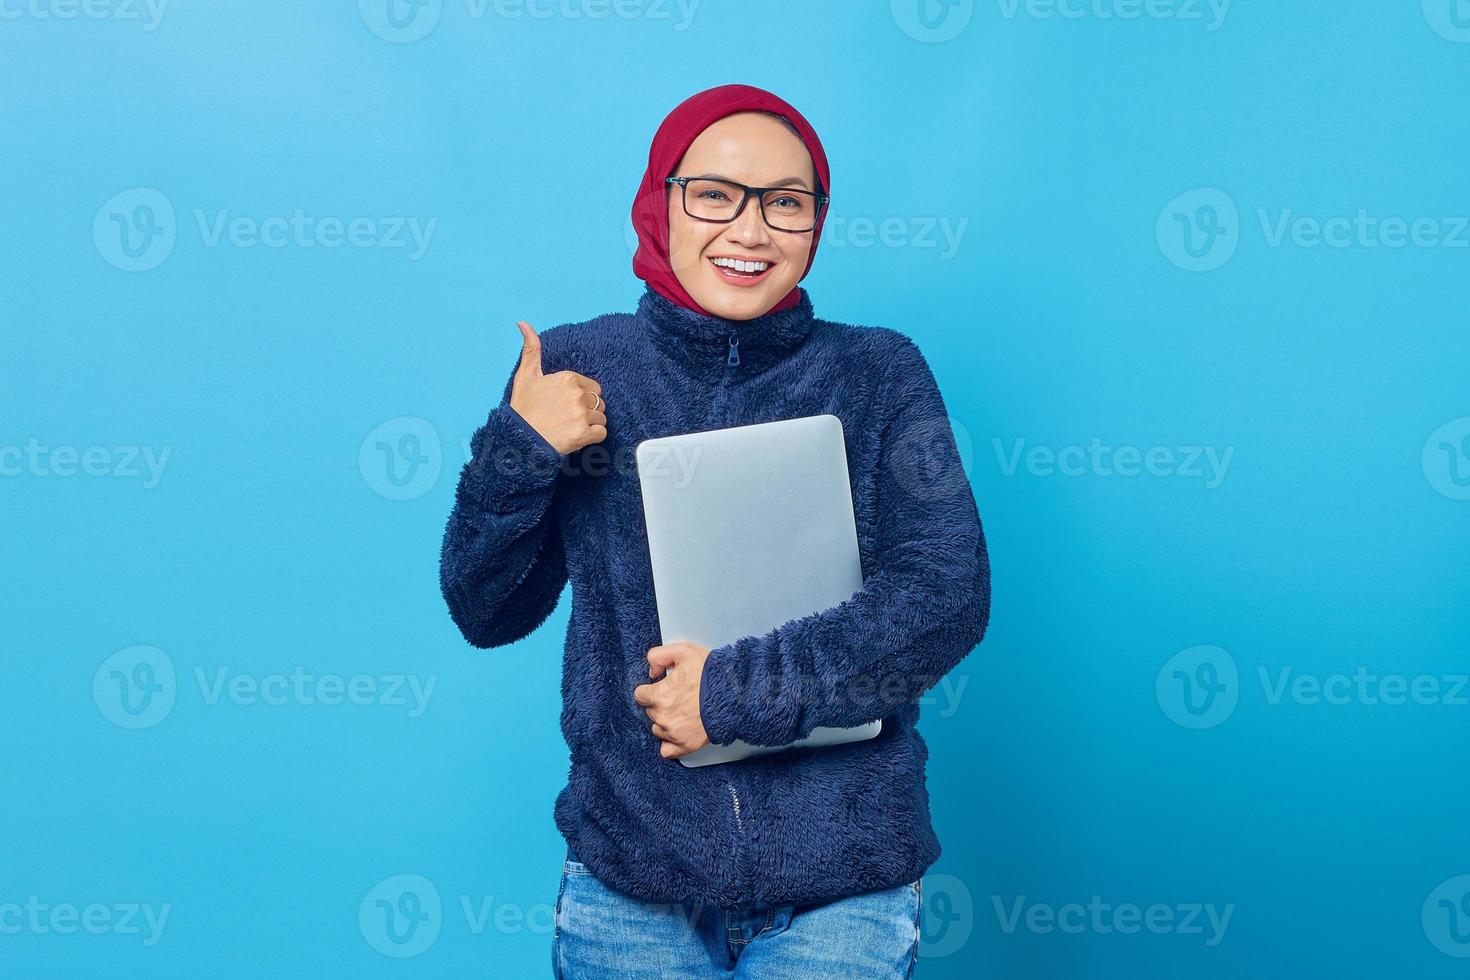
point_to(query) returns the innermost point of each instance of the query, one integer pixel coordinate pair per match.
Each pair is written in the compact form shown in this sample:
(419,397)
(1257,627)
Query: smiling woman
(802,862)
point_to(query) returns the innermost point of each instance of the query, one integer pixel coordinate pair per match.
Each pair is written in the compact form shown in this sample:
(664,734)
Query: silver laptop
(749,527)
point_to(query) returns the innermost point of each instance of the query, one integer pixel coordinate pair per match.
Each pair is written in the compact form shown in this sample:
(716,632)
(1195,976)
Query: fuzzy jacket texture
(788,827)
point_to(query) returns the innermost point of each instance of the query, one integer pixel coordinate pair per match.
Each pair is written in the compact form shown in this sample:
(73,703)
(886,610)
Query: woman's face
(757,150)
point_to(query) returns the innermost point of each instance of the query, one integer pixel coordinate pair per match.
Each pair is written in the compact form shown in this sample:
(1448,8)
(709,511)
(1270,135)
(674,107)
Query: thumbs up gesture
(565,407)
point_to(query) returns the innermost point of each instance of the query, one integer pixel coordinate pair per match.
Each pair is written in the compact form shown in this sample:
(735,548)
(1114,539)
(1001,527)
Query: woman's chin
(739,302)
(743,307)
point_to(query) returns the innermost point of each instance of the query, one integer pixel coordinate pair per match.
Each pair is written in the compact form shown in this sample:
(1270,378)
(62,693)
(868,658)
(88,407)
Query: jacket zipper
(735,802)
(737,870)
(732,359)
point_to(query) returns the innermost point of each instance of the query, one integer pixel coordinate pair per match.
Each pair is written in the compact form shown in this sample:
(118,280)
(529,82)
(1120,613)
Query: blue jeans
(601,933)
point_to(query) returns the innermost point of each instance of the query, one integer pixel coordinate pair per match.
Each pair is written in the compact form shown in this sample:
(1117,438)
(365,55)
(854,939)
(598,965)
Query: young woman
(799,863)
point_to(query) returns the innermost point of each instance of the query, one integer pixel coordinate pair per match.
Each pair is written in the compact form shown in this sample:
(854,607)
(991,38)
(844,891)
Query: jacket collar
(702,344)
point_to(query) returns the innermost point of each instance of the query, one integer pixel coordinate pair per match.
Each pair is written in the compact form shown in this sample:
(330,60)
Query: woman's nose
(750,227)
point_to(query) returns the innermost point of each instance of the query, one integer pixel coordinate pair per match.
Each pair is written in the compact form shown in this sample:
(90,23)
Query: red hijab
(678,130)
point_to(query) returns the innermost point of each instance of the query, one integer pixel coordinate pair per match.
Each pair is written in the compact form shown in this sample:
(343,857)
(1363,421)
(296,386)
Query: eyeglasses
(783,208)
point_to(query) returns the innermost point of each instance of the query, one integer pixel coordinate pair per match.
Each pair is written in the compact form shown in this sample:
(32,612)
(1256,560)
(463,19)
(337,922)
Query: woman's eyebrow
(787,182)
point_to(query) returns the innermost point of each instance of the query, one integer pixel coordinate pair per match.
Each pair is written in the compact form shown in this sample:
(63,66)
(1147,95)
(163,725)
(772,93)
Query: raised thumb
(530,365)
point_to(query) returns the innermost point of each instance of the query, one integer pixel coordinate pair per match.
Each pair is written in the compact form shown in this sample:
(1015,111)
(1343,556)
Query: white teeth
(741,266)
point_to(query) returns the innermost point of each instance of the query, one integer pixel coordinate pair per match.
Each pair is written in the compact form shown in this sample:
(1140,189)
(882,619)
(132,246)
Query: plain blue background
(1070,153)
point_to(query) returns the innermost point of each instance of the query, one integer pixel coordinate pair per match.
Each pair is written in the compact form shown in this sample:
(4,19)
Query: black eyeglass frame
(756,192)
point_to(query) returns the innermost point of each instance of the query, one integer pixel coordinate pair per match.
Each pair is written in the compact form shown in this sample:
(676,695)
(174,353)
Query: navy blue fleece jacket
(789,827)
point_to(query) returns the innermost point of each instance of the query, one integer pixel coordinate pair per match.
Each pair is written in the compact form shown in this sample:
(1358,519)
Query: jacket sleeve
(501,566)
(920,610)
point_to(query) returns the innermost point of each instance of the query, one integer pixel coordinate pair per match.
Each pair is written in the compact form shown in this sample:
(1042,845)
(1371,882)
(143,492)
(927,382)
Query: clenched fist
(565,407)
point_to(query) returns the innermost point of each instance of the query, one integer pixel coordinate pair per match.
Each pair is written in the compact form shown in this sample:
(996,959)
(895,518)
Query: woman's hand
(565,407)
(673,703)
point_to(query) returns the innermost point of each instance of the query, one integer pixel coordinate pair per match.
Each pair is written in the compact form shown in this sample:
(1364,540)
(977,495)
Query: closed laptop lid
(748,527)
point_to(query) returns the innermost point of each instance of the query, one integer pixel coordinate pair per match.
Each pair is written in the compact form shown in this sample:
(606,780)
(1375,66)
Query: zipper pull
(734,357)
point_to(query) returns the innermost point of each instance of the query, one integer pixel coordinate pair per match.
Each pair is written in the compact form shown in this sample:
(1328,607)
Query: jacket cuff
(510,459)
(719,694)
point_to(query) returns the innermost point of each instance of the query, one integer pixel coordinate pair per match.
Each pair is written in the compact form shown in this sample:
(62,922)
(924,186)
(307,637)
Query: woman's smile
(740,270)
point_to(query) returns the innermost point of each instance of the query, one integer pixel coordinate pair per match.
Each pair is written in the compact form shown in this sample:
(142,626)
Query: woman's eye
(713,195)
(786,202)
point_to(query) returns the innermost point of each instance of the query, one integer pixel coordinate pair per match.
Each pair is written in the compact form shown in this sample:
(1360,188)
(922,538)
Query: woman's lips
(740,279)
